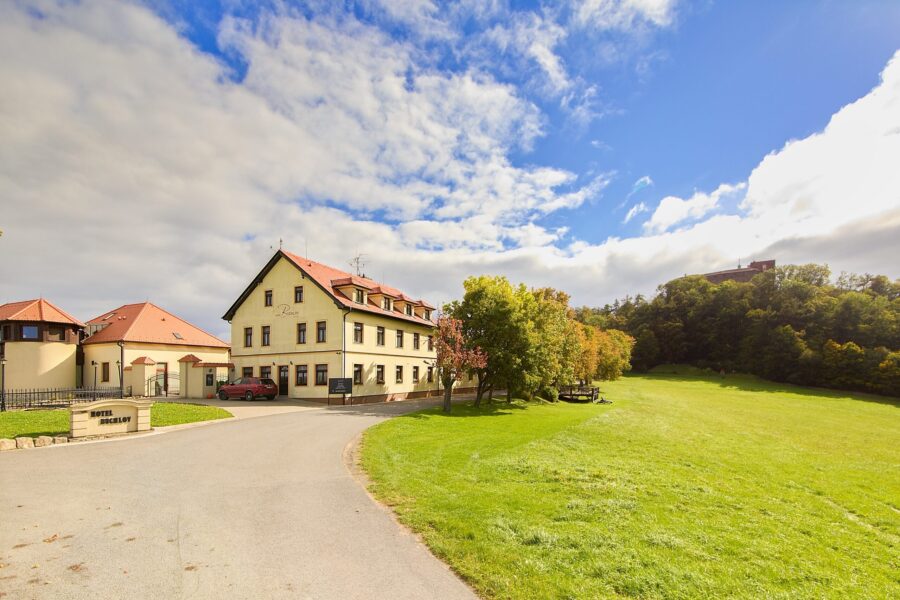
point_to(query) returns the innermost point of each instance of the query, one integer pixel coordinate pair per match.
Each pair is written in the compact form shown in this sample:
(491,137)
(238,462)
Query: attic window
(409,310)
(177,335)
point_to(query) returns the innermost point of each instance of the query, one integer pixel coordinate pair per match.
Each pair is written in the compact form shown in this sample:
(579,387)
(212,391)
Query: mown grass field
(56,422)
(684,487)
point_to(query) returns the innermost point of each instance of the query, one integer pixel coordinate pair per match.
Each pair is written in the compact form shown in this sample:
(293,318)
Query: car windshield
(236,381)
(267,381)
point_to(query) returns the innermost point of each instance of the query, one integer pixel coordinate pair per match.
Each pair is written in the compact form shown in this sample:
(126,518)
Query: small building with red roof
(39,343)
(154,351)
(301,323)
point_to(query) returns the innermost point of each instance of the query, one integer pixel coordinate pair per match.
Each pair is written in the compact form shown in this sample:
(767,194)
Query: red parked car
(249,388)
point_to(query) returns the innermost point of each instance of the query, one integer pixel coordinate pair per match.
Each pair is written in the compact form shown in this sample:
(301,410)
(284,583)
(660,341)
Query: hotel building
(300,323)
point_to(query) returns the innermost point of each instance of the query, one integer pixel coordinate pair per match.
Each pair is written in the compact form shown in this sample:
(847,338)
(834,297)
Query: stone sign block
(105,417)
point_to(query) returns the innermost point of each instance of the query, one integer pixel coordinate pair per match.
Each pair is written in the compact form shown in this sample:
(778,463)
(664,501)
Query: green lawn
(684,487)
(56,422)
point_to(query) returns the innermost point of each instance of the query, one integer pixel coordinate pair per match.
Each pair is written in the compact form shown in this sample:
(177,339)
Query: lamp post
(121,387)
(94,364)
(2,384)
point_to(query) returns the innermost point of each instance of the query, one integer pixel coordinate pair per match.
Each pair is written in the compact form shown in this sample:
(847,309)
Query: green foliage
(688,486)
(163,414)
(787,324)
(533,340)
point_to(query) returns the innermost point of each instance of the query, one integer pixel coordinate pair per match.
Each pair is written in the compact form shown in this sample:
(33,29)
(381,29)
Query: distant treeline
(791,323)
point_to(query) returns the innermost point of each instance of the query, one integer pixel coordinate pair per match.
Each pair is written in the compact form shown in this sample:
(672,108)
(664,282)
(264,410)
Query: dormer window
(409,310)
(359,296)
(427,315)
(387,304)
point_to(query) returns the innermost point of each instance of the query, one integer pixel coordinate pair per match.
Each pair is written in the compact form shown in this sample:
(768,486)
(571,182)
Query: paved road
(254,508)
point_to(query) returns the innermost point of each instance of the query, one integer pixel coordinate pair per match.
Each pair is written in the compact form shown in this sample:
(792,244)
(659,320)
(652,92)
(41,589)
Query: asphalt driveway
(254,508)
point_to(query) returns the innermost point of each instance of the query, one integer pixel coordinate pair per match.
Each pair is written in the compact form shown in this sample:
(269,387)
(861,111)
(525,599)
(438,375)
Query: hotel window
(321,374)
(298,293)
(359,296)
(266,335)
(30,332)
(430,343)
(5,333)
(104,372)
(265,372)
(320,331)
(247,372)
(248,337)
(415,374)
(415,341)
(427,315)
(409,309)
(471,375)
(357,374)
(301,333)
(399,374)
(386,304)
(268,297)
(358,333)
(379,374)
(430,374)
(399,338)
(56,333)
(379,336)
(301,375)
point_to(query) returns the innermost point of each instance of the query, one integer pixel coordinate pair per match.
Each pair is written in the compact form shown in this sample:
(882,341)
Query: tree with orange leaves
(454,356)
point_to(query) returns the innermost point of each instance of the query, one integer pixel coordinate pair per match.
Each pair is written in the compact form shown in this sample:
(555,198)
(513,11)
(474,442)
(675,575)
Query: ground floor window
(302,376)
(104,372)
(247,372)
(415,374)
(430,374)
(357,374)
(321,374)
(399,374)
(265,372)
(379,374)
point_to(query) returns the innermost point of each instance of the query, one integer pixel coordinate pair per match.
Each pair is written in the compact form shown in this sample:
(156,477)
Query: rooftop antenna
(739,263)
(358,262)
(279,245)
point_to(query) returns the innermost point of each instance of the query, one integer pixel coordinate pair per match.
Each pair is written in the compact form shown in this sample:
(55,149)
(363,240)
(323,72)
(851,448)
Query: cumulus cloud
(673,210)
(134,167)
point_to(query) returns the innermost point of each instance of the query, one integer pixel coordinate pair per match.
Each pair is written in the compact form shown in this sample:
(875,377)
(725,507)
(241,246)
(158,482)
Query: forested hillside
(791,323)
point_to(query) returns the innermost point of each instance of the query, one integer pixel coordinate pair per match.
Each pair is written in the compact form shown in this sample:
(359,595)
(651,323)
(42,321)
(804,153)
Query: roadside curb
(352,457)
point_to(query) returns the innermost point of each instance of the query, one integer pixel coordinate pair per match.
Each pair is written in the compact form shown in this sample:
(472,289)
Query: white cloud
(634,211)
(132,168)
(625,14)
(673,210)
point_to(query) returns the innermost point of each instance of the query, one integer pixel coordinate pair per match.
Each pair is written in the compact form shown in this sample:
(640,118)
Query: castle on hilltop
(741,274)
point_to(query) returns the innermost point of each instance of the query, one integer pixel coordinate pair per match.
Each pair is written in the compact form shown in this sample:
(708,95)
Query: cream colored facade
(33,364)
(137,375)
(339,352)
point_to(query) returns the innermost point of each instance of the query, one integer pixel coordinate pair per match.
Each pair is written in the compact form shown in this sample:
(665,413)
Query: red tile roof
(325,276)
(148,323)
(36,310)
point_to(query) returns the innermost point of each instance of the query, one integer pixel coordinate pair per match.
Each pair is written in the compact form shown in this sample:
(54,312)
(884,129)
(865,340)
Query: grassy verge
(56,422)
(686,486)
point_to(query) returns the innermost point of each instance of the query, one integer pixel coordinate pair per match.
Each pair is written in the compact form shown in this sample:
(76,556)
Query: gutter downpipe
(344,354)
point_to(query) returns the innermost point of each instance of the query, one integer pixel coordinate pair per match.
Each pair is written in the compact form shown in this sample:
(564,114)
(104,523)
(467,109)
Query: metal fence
(57,397)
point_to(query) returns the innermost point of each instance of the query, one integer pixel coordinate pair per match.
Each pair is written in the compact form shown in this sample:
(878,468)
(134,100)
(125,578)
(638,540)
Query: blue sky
(689,105)
(598,146)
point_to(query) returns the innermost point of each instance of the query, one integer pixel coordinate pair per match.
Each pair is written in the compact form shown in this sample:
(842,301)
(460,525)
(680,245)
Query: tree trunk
(479,392)
(448,391)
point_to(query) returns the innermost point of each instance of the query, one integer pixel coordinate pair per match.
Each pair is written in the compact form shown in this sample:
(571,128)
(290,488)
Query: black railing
(58,397)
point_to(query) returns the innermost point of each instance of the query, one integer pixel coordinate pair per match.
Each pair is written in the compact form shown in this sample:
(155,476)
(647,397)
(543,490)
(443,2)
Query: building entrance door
(283,380)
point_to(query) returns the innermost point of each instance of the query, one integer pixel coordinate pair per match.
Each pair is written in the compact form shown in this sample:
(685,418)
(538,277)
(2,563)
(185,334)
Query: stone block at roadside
(60,439)
(43,440)
(7,444)
(24,442)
